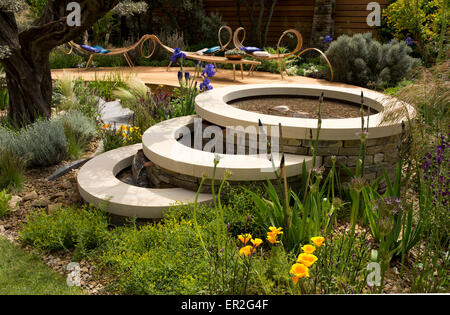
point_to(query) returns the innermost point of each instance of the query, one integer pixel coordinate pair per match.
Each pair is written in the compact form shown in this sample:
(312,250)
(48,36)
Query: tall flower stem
(197,228)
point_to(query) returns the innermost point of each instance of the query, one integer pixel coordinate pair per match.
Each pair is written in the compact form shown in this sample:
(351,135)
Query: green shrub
(84,229)
(123,136)
(82,126)
(239,212)
(394,90)
(12,168)
(43,143)
(79,130)
(361,60)
(4,200)
(104,88)
(69,94)
(165,258)
(59,60)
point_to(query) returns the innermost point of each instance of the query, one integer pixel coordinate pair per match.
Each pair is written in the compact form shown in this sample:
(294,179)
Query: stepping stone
(113,113)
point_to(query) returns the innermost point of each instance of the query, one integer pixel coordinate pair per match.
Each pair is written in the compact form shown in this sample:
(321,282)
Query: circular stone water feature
(175,168)
(300,107)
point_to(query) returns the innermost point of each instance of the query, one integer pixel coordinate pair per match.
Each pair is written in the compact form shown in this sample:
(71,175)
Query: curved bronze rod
(145,38)
(156,41)
(297,48)
(238,43)
(230,32)
(324,56)
(64,52)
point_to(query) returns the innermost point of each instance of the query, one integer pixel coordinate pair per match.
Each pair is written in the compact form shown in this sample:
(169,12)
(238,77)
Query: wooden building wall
(350,16)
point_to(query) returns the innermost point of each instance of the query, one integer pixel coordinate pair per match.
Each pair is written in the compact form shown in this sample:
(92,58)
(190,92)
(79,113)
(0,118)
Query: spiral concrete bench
(97,184)
(161,146)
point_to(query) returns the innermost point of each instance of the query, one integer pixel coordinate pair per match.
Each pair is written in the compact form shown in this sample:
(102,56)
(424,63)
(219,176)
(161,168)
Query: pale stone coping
(97,184)
(160,145)
(212,106)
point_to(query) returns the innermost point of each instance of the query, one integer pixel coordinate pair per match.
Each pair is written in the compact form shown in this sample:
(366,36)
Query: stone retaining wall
(380,152)
(163,178)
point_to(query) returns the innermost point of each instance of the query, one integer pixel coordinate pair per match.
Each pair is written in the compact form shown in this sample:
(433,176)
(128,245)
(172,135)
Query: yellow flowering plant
(318,240)
(307,259)
(272,236)
(244,238)
(308,249)
(299,271)
(247,250)
(422,20)
(116,137)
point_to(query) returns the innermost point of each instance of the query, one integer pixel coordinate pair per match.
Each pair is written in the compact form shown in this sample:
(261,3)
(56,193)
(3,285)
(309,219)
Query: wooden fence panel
(350,16)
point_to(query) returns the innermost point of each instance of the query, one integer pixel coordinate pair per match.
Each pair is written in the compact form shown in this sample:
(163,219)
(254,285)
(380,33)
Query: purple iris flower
(328,39)
(409,41)
(205,85)
(209,71)
(177,54)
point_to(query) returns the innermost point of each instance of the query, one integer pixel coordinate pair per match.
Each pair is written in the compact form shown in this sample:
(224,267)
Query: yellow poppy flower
(244,238)
(299,271)
(247,250)
(275,230)
(272,238)
(124,135)
(308,249)
(318,240)
(306,259)
(256,242)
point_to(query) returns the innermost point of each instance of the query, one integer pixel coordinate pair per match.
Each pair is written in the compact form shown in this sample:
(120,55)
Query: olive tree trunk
(27,69)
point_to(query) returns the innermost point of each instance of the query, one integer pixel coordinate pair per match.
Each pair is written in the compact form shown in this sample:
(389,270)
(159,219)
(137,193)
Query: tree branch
(52,29)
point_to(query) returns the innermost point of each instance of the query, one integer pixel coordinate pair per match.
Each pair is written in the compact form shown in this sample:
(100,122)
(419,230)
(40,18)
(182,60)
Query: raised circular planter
(97,184)
(339,138)
(212,106)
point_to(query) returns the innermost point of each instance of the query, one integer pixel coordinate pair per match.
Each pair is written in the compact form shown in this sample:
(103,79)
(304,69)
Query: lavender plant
(430,272)
(342,264)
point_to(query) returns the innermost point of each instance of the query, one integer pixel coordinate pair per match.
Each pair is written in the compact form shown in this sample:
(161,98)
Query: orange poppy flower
(299,271)
(318,240)
(308,249)
(307,259)
(247,250)
(256,242)
(244,238)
